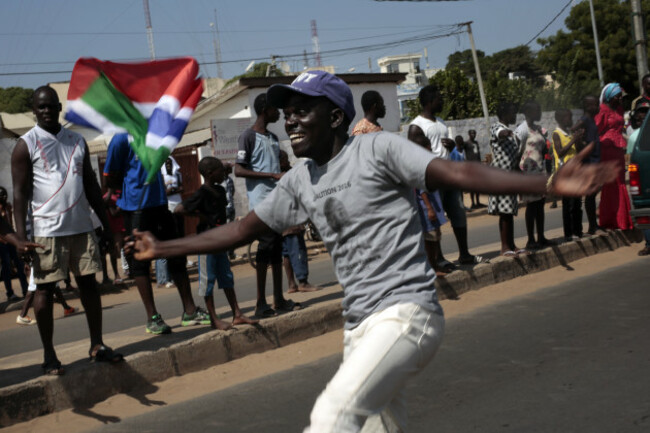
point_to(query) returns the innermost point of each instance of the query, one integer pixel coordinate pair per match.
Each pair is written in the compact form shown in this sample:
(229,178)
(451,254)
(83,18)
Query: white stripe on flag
(169,104)
(145,108)
(185,113)
(93,117)
(155,142)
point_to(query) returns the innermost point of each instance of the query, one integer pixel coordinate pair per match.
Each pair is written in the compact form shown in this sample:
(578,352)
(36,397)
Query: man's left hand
(575,179)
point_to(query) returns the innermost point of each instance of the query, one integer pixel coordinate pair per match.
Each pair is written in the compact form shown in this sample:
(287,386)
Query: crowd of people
(377,199)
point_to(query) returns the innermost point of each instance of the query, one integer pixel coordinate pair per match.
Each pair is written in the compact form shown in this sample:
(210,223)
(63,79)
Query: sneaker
(69,311)
(25,320)
(157,326)
(200,317)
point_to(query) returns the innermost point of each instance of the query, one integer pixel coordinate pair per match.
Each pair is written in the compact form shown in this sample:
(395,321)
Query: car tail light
(642,220)
(635,179)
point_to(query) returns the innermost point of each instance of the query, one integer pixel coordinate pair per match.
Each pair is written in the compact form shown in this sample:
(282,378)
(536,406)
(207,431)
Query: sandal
(105,354)
(509,253)
(447,266)
(53,368)
(288,305)
(472,260)
(523,252)
(645,251)
(265,311)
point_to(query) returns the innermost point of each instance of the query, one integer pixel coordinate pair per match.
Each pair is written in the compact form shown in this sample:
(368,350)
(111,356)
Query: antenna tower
(147,22)
(314,40)
(217,46)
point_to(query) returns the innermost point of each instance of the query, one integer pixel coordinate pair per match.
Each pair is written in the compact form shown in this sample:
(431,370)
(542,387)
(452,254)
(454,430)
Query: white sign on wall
(225,133)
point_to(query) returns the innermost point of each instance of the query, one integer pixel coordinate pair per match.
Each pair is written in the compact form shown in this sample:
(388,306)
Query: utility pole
(147,22)
(639,41)
(479,79)
(216,45)
(596,44)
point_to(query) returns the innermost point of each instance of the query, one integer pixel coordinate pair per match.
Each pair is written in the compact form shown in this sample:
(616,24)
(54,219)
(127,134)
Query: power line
(551,22)
(177,32)
(448,27)
(328,53)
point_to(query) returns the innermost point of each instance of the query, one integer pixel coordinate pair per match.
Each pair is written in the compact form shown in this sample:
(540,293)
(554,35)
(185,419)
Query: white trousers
(379,356)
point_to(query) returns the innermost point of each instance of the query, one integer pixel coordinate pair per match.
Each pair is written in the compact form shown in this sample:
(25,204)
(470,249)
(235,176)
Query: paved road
(118,317)
(573,357)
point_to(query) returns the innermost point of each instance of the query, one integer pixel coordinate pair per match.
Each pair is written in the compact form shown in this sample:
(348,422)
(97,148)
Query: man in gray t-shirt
(359,194)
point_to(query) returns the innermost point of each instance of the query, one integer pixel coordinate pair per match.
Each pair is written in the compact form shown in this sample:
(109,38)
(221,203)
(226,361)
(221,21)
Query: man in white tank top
(51,167)
(429,129)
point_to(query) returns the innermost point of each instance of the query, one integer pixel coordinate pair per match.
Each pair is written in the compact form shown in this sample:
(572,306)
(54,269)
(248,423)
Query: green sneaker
(200,317)
(157,326)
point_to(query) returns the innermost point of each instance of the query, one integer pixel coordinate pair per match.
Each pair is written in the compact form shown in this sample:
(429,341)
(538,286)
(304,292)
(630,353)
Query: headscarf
(609,91)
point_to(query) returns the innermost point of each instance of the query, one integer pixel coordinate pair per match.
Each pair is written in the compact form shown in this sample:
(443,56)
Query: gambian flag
(152,101)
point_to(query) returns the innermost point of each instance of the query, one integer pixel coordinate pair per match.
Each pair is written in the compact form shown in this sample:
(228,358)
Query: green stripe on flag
(156,158)
(104,98)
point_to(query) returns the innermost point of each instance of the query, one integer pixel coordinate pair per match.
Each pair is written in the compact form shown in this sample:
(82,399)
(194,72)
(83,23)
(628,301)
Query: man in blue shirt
(123,169)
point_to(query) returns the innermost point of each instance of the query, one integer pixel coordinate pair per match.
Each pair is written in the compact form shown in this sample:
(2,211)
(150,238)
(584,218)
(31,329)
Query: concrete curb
(89,384)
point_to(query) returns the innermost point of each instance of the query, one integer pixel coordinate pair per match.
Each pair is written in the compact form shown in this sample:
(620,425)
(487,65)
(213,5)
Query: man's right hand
(143,245)
(431,215)
(277,176)
(23,246)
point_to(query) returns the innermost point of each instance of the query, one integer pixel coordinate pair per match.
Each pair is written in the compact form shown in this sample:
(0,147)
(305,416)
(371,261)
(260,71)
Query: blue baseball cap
(314,83)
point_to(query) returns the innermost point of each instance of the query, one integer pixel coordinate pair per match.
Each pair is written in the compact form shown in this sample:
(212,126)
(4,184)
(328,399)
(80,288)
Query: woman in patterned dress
(533,143)
(505,155)
(614,206)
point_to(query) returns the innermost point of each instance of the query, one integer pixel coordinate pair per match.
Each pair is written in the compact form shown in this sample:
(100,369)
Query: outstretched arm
(146,247)
(573,179)
(241,171)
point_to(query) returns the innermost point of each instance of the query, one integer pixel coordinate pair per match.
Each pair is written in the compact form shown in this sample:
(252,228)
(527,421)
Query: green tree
(519,59)
(463,60)
(15,99)
(462,98)
(571,57)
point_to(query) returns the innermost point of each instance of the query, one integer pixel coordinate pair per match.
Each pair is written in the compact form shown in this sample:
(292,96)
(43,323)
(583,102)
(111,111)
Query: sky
(41,39)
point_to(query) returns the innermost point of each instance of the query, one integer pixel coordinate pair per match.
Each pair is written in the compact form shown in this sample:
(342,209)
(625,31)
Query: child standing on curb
(209,204)
(565,147)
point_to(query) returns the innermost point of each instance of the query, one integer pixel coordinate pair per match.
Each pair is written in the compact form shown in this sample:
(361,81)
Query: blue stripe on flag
(162,124)
(177,128)
(77,119)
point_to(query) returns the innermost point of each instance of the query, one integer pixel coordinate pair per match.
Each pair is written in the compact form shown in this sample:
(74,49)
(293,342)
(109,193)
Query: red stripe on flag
(194,98)
(141,82)
(85,71)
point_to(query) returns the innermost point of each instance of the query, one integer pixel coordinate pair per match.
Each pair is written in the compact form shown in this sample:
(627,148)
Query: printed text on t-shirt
(332,190)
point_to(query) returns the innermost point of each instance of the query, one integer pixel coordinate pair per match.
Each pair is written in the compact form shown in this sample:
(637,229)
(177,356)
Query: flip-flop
(509,253)
(105,354)
(288,305)
(523,252)
(645,251)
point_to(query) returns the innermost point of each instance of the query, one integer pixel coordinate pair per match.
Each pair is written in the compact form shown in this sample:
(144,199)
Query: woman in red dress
(614,200)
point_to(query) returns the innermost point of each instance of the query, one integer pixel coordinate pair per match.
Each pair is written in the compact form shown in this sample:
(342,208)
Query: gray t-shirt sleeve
(282,209)
(245,147)
(401,160)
